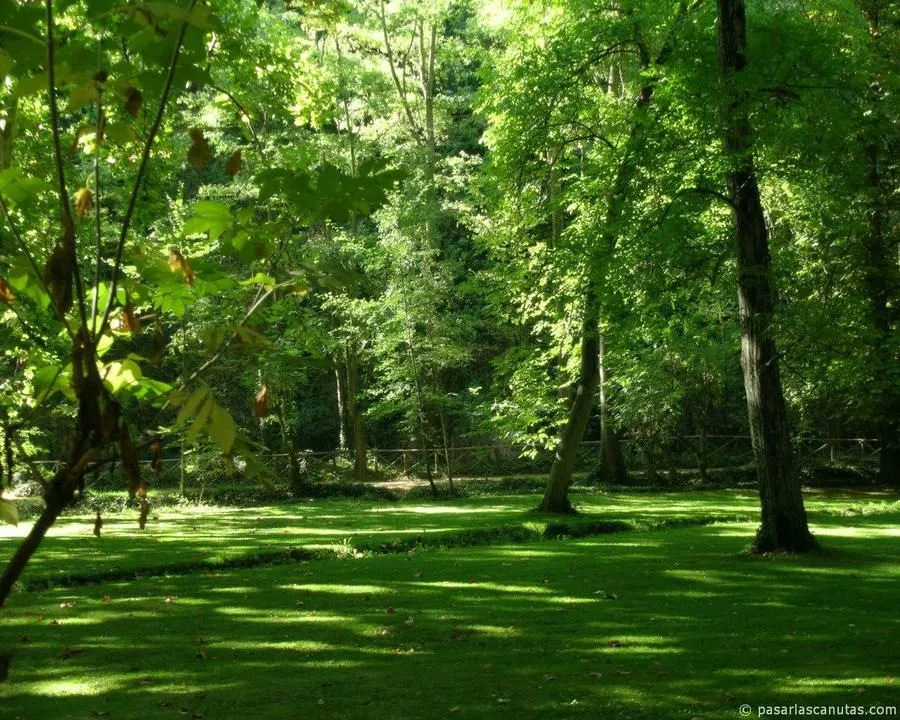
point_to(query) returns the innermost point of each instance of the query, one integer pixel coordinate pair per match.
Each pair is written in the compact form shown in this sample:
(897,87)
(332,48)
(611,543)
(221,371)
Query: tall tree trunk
(556,495)
(7,133)
(881,273)
(784,525)
(7,465)
(341,390)
(612,461)
(360,464)
(879,282)
(427,48)
(445,435)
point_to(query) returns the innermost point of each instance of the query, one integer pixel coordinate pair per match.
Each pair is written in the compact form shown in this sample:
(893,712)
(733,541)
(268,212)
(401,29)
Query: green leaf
(51,379)
(9,513)
(83,95)
(121,374)
(18,187)
(31,86)
(150,389)
(200,421)
(6,63)
(192,406)
(104,343)
(267,281)
(222,429)
(199,17)
(209,217)
(120,133)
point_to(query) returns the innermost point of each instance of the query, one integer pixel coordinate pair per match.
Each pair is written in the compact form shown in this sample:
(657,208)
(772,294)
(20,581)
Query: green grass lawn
(670,623)
(178,537)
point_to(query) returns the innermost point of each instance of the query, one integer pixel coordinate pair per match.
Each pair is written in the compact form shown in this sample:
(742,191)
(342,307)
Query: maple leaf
(233,166)
(199,153)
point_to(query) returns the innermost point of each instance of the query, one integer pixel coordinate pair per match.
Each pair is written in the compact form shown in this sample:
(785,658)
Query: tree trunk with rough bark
(445,435)
(358,431)
(341,390)
(881,273)
(556,495)
(783,517)
(612,461)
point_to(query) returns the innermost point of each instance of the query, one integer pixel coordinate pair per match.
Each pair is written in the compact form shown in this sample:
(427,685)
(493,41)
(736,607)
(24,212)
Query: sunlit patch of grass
(181,538)
(694,622)
(665,625)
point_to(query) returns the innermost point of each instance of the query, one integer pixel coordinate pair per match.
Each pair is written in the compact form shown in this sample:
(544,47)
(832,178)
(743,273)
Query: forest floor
(214,613)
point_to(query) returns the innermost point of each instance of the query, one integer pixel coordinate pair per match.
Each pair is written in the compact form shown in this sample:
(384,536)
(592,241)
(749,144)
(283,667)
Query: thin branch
(17,235)
(22,34)
(240,107)
(65,208)
(98,232)
(401,90)
(142,168)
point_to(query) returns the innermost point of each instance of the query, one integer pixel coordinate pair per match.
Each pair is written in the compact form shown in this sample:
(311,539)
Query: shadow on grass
(670,624)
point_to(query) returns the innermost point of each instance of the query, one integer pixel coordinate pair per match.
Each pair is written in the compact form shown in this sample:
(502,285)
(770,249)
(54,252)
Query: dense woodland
(239,228)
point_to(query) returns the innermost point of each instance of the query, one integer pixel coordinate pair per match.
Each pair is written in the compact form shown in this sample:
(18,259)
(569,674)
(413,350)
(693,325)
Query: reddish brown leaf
(130,462)
(199,153)
(84,203)
(156,463)
(58,273)
(177,262)
(233,166)
(130,321)
(133,101)
(6,293)
(158,348)
(261,402)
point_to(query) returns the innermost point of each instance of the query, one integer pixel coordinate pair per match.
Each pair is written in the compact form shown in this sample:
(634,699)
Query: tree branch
(65,208)
(401,90)
(142,168)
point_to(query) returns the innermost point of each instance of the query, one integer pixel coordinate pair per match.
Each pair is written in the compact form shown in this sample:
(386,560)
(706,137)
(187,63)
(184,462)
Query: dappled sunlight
(71,688)
(695,576)
(443,509)
(341,589)
(289,645)
(868,531)
(477,585)
(494,630)
(654,619)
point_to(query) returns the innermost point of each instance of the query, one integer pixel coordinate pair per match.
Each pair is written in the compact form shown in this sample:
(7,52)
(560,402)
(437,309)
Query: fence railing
(670,455)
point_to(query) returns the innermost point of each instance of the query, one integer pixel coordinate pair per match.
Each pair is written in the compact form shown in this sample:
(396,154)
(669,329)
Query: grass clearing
(207,535)
(665,624)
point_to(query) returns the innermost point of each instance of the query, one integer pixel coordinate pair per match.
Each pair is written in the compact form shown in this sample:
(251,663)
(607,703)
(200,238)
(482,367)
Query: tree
(784,525)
